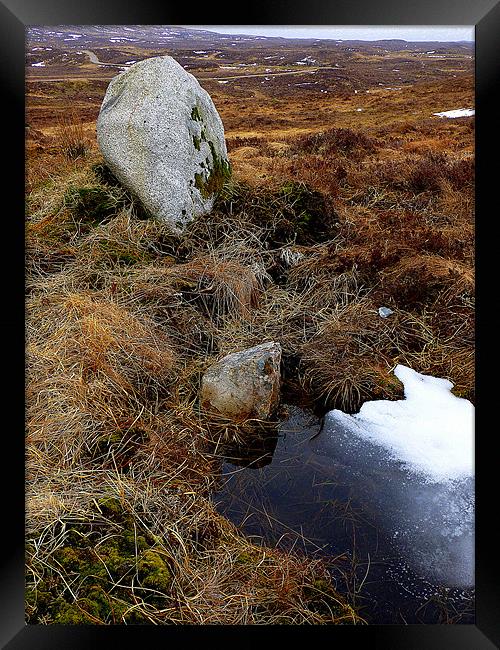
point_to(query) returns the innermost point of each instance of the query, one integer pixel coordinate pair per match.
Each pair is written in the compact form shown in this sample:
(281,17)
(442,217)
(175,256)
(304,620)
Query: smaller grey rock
(384,312)
(245,384)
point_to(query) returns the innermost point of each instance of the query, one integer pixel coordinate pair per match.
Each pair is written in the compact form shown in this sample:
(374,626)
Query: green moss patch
(95,203)
(104,564)
(153,571)
(290,213)
(219,171)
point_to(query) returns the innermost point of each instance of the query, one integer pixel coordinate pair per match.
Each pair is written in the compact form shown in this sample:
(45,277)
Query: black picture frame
(15,15)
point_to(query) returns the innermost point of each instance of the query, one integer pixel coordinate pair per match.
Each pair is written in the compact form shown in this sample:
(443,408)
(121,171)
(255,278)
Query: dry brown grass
(213,575)
(91,363)
(118,335)
(71,133)
(349,359)
(221,286)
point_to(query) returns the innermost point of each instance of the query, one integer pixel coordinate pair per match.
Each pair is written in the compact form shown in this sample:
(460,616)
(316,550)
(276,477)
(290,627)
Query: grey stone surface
(244,384)
(161,135)
(384,312)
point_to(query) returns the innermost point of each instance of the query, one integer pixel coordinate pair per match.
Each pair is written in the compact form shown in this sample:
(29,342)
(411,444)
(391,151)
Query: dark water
(281,493)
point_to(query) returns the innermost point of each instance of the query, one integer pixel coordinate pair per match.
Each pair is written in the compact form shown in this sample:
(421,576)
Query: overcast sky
(355,32)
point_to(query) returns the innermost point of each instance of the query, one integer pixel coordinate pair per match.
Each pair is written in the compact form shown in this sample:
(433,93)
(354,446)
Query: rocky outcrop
(245,384)
(162,137)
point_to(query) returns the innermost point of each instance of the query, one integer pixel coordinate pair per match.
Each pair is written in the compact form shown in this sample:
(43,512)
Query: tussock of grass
(418,279)
(348,360)
(291,212)
(337,140)
(71,133)
(93,203)
(91,364)
(221,286)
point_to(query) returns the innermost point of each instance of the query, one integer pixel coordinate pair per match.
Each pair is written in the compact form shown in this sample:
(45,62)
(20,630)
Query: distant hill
(82,36)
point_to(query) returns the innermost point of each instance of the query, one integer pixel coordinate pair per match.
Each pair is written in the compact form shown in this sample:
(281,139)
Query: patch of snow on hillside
(459,112)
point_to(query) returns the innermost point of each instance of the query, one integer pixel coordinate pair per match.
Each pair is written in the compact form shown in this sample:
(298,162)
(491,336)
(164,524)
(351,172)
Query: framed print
(253,391)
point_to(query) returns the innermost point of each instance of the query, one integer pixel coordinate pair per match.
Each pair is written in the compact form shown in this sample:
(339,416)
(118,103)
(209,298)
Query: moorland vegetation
(322,222)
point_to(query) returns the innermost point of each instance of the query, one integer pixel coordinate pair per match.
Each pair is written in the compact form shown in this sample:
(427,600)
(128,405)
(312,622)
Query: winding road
(93,59)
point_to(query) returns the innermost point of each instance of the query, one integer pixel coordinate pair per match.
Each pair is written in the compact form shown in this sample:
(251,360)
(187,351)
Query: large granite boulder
(161,136)
(245,384)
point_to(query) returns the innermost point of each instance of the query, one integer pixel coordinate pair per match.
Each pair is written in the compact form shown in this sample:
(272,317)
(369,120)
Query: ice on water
(411,463)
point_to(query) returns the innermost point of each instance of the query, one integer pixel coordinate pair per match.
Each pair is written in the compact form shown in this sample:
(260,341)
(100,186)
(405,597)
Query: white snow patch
(459,112)
(431,431)
(38,65)
(410,463)
(200,51)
